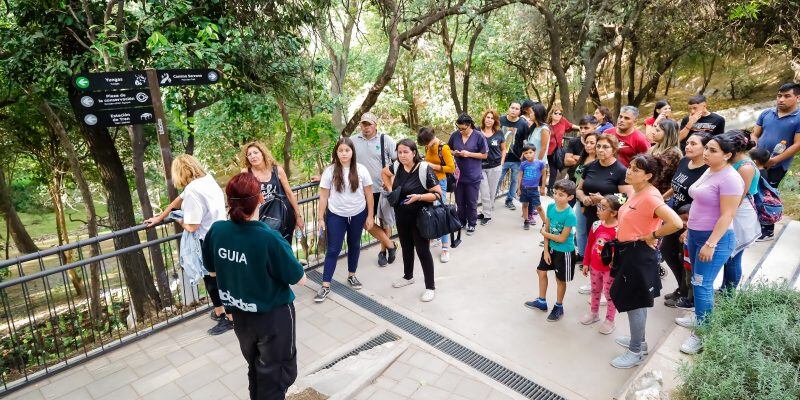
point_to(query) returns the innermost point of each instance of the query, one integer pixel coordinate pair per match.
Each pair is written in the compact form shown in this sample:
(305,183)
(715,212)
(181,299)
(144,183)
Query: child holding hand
(602,232)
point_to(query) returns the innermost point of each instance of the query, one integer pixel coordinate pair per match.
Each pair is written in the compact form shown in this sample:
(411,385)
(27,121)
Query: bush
(751,348)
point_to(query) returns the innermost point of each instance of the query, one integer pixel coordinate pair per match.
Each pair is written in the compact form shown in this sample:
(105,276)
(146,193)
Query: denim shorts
(530,195)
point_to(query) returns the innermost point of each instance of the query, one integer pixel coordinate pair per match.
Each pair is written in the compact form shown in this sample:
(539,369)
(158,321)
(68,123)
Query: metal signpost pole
(161,130)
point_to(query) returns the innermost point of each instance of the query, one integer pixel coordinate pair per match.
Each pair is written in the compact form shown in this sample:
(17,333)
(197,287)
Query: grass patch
(751,348)
(42,225)
(790,191)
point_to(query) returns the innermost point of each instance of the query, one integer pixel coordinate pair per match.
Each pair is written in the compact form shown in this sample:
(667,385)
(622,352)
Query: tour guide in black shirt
(254,267)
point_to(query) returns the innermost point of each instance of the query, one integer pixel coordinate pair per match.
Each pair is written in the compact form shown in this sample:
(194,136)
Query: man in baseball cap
(376,151)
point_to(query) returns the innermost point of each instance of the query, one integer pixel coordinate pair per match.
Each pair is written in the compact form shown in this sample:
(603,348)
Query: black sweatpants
(410,239)
(672,253)
(212,289)
(267,341)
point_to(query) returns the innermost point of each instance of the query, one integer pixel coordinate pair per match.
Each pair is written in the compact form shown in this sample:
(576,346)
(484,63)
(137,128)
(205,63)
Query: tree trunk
(339,64)
(669,81)
(190,125)
(66,257)
(143,293)
(139,146)
(468,66)
(86,196)
(451,69)
(22,240)
(707,73)
(287,139)
(618,78)
(632,70)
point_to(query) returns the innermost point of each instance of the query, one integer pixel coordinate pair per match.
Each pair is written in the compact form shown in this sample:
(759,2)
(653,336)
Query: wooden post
(161,129)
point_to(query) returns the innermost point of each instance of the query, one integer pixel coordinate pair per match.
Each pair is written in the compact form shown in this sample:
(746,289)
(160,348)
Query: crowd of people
(621,201)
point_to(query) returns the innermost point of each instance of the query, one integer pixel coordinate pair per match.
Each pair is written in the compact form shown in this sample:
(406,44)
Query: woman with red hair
(255,268)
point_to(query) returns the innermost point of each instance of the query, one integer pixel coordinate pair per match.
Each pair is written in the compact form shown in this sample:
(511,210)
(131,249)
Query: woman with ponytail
(345,207)
(255,267)
(745,222)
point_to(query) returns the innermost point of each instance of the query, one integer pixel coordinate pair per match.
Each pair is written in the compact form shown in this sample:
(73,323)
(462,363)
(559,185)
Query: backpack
(452,180)
(422,171)
(769,206)
(276,214)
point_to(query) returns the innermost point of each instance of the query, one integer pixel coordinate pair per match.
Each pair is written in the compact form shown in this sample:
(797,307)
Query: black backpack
(276,213)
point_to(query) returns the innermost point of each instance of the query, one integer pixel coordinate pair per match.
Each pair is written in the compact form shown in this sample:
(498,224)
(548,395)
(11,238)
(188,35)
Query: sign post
(161,130)
(109,99)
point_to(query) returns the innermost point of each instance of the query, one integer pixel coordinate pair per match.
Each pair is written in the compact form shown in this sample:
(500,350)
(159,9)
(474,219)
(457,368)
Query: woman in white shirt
(203,203)
(345,207)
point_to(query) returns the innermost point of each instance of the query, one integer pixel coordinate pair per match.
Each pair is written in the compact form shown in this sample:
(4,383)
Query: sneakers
(532,221)
(692,345)
(221,327)
(590,318)
(323,293)
(766,237)
(526,225)
(585,289)
(538,304)
(444,256)
(436,243)
(672,296)
(354,283)
(485,221)
(607,327)
(392,253)
(470,230)
(625,341)
(427,295)
(382,261)
(685,304)
(402,282)
(215,317)
(627,360)
(556,314)
(687,322)
(510,205)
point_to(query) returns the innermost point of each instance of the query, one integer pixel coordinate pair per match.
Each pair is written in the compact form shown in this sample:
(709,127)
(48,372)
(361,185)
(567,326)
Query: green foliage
(751,348)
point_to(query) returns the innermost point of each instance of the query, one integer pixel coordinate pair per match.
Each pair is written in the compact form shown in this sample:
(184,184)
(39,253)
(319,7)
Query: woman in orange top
(635,264)
(440,158)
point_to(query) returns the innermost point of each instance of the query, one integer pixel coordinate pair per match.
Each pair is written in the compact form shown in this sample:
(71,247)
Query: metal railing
(50,322)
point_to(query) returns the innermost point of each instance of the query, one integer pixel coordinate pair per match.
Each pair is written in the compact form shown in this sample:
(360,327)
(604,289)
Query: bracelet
(710,246)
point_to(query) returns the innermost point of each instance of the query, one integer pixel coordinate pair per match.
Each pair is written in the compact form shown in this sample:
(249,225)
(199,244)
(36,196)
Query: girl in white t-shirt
(203,203)
(345,207)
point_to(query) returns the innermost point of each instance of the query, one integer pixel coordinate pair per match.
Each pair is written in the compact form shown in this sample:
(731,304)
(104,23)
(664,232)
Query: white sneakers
(402,282)
(585,289)
(689,321)
(444,256)
(692,345)
(427,295)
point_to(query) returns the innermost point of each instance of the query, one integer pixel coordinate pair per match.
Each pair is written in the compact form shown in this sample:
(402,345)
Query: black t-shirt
(683,178)
(495,153)
(712,124)
(574,147)
(514,142)
(409,183)
(603,180)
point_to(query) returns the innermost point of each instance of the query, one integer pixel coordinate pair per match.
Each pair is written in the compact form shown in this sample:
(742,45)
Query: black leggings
(672,253)
(410,239)
(551,162)
(267,341)
(213,290)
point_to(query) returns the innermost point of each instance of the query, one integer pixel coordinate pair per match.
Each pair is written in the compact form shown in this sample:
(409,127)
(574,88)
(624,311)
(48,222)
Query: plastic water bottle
(779,148)
(298,234)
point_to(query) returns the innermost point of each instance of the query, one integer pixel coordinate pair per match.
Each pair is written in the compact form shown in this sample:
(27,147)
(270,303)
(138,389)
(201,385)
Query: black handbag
(437,220)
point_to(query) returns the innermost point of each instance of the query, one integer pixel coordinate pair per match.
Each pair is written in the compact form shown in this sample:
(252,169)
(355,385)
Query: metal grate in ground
(383,338)
(499,373)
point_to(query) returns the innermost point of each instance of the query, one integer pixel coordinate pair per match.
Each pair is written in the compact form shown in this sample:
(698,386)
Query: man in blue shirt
(776,125)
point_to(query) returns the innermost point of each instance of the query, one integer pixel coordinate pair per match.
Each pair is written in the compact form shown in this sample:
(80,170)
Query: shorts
(530,195)
(563,264)
(382,211)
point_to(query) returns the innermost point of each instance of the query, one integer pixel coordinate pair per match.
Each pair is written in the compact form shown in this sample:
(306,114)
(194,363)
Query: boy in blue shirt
(530,185)
(559,248)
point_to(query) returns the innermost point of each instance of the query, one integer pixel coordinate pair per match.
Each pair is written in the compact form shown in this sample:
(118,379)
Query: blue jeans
(704,272)
(732,273)
(582,231)
(513,168)
(443,184)
(337,227)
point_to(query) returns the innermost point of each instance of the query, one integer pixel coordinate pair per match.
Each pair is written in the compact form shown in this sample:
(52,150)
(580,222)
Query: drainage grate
(499,373)
(385,337)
